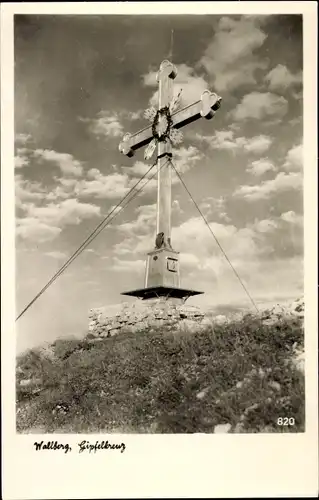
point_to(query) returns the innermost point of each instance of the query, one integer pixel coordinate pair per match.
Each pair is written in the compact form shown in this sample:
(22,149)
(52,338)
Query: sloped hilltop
(243,375)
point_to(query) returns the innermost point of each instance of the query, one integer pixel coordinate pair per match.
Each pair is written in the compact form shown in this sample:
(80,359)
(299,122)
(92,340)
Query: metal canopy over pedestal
(162,291)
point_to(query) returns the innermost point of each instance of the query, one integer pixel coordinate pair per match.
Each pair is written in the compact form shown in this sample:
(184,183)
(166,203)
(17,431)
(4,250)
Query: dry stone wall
(135,316)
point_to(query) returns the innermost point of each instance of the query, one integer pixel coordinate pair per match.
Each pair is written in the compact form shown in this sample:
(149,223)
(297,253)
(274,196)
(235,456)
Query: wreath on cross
(162,126)
(162,135)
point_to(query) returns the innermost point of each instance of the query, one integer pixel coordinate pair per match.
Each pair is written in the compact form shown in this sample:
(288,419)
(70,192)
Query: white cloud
(282,182)
(96,185)
(132,115)
(193,235)
(136,266)
(103,186)
(146,211)
(223,216)
(176,208)
(265,225)
(21,160)
(222,139)
(106,124)
(139,168)
(280,78)
(69,211)
(63,190)
(66,162)
(295,121)
(255,243)
(258,105)
(225,140)
(272,122)
(146,215)
(28,191)
(185,158)
(139,233)
(56,255)
(189,260)
(22,138)
(44,223)
(146,186)
(192,85)
(114,210)
(260,167)
(292,218)
(258,144)
(229,58)
(32,229)
(215,206)
(294,158)
(123,248)
(206,207)
(135,115)
(298,96)
(203,254)
(268,281)
(124,182)
(93,173)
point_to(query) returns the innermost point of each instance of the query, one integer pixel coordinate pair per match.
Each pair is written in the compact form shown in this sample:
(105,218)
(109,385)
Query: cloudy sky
(83,81)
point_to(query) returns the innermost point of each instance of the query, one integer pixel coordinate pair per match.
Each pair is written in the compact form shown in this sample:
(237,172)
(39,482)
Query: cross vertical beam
(162,277)
(165,77)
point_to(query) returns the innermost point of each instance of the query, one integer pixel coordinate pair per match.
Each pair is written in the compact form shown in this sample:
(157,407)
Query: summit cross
(162,270)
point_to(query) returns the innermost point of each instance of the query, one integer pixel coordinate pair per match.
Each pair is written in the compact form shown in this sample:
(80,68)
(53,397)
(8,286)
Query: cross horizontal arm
(206,107)
(131,142)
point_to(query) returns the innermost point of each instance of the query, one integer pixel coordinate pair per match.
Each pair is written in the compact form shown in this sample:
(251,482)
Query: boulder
(222,428)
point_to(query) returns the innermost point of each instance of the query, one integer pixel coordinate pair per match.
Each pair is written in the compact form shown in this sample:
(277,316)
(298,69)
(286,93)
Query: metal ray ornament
(149,150)
(176,136)
(175,101)
(150,113)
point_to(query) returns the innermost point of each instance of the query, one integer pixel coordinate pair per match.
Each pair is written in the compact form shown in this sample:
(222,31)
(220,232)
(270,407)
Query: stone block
(142,325)
(114,331)
(115,325)
(222,428)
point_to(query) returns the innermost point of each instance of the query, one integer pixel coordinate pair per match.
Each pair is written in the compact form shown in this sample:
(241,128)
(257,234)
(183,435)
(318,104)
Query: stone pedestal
(162,268)
(162,277)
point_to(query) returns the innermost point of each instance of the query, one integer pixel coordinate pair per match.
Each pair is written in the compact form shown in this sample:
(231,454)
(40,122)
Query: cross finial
(166,69)
(171,47)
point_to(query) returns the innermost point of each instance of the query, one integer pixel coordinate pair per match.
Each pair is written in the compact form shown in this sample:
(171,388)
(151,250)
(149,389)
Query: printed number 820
(286,421)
